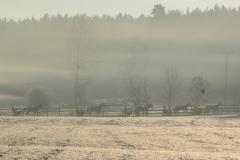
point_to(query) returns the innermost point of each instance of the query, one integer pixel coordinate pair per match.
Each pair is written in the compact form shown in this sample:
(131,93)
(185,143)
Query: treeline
(158,13)
(210,26)
(160,24)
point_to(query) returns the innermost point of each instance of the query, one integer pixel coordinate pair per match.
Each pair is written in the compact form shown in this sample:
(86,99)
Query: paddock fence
(111,111)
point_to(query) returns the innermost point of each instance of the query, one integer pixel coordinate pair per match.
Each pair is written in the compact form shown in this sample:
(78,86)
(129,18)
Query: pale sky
(28,8)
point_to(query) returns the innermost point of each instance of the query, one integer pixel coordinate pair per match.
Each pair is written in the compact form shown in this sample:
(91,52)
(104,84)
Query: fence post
(59,111)
(47,112)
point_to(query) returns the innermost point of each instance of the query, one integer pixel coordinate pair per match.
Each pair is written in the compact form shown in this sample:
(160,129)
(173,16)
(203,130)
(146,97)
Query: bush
(38,96)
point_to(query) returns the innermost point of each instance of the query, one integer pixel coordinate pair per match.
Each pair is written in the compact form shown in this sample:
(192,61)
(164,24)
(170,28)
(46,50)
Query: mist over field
(43,53)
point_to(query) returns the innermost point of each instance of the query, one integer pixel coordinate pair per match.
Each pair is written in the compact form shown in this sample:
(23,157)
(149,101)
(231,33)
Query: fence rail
(115,111)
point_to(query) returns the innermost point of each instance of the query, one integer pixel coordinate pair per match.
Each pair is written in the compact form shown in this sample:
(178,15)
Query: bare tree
(134,93)
(134,88)
(146,96)
(82,94)
(139,92)
(198,89)
(138,85)
(80,87)
(171,88)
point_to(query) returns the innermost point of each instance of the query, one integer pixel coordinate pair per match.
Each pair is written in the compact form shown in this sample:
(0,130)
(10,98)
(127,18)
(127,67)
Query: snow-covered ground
(163,138)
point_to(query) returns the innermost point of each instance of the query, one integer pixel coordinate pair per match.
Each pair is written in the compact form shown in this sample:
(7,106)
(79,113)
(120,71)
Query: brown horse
(34,109)
(143,109)
(80,113)
(166,111)
(213,108)
(182,108)
(97,109)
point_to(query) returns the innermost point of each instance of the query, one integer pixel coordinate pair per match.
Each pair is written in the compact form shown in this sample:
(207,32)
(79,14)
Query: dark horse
(213,108)
(182,108)
(143,109)
(127,111)
(97,109)
(16,112)
(34,109)
(80,112)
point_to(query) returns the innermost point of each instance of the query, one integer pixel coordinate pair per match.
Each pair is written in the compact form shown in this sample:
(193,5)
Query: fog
(43,53)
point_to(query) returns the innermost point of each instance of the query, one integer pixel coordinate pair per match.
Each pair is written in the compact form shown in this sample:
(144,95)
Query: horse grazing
(16,112)
(197,110)
(80,113)
(97,109)
(143,109)
(127,111)
(34,109)
(182,108)
(213,108)
(166,111)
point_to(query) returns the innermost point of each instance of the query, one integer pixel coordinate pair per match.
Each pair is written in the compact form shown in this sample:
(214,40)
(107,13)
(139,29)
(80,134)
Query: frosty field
(163,138)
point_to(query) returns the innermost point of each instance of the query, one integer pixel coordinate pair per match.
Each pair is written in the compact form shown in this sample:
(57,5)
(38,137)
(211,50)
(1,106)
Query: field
(163,138)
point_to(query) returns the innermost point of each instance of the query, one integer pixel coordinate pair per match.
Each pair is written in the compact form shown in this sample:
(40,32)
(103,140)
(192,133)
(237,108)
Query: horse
(80,112)
(127,112)
(16,112)
(213,108)
(197,110)
(34,109)
(166,111)
(182,108)
(97,109)
(143,109)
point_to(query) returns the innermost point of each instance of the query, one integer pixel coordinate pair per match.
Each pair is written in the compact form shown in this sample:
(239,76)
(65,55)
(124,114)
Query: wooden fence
(115,112)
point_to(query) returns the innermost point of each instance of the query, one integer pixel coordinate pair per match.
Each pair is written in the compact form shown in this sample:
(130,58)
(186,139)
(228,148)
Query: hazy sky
(28,8)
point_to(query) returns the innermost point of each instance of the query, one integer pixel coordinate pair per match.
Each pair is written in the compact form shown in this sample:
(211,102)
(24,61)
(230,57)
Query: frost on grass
(182,138)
